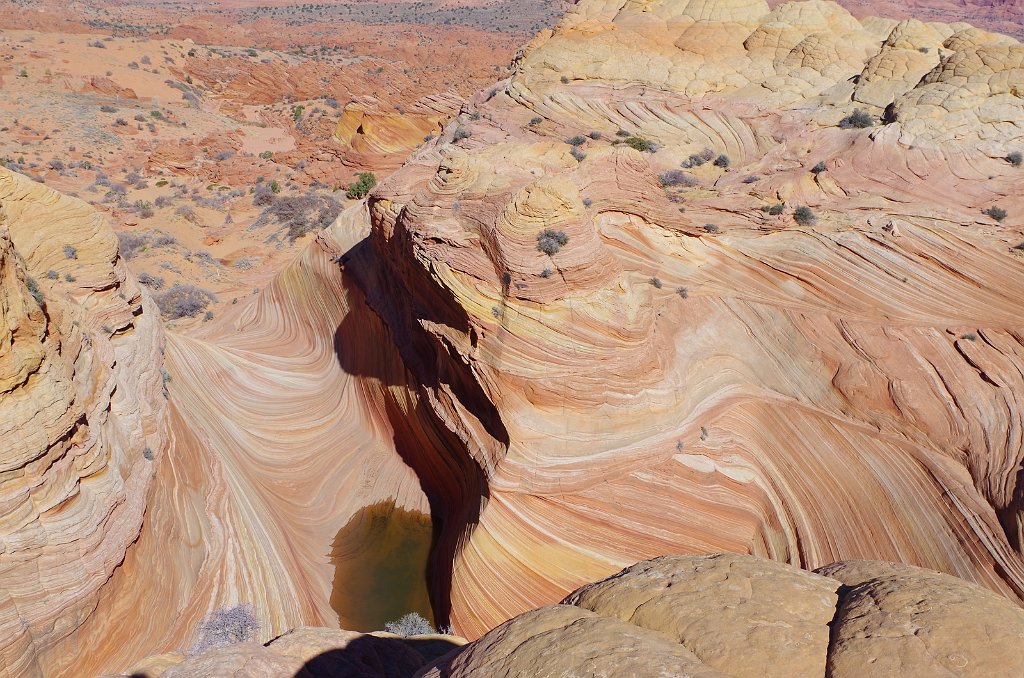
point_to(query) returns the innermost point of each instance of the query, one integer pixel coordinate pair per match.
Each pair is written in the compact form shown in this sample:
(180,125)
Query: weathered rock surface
(82,417)
(690,372)
(309,653)
(714,378)
(373,136)
(730,615)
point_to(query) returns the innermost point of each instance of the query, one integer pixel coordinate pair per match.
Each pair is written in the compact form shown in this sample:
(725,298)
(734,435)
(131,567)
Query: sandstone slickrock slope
(743,617)
(691,370)
(82,416)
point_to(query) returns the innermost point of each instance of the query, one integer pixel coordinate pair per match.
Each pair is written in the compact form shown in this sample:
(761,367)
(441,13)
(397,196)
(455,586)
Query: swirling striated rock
(374,137)
(82,417)
(739,616)
(688,371)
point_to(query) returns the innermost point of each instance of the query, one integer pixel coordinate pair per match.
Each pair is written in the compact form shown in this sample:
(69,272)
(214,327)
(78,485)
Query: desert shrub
(997,213)
(677,178)
(587,202)
(162,200)
(722,161)
(226,626)
(549,241)
(121,122)
(107,108)
(577,153)
(262,196)
(98,44)
(859,119)
(776,209)
(1015,158)
(819,168)
(300,214)
(595,135)
(536,121)
(576,140)
(804,216)
(275,187)
(133,66)
(546,273)
(69,278)
(694,161)
(33,289)
(710,228)
(208,317)
(130,244)
(461,133)
(139,117)
(656,282)
(70,252)
(184,300)
(683,292)
(707,154)
(924,50)
(187,213)
(246,263)
(143,208)
(363,185)
(641,144)
(224,155)
(622,134)
(266,155)
(52,274)
(148,453)
(153,282)
(156,114)
(564,79)
(164,239)
(412,624)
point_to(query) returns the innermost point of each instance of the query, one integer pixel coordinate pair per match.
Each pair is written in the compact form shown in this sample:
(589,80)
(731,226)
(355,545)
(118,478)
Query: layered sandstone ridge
(741,617)
(690,372)
(83,415)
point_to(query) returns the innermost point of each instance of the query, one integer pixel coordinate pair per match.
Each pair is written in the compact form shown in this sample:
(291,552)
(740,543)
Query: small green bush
(641,144)
(804,216)
(549,241)
(997,213)
(859,119)
(266,155)
(358,189)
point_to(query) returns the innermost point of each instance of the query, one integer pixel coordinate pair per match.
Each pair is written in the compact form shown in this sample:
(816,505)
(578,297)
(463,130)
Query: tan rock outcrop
(310,653)
(688,372)
(740,616)
(83,416)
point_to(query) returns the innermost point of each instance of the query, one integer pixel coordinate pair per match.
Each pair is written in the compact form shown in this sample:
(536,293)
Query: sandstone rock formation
(309,653)
(691,370)
(82,416)
(372,136)
(743,617)
(691,365)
